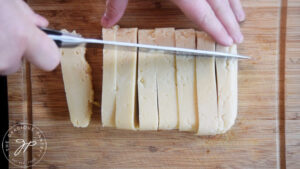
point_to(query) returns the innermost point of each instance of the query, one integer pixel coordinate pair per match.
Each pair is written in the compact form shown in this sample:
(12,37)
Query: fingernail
(228,41)
(239,38)
(241,17)
(43,20)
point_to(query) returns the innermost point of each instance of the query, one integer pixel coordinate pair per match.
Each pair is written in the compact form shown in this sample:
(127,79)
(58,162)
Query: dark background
(4,115)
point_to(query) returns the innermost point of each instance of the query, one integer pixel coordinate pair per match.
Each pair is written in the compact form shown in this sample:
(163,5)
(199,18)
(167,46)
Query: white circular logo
(15,145)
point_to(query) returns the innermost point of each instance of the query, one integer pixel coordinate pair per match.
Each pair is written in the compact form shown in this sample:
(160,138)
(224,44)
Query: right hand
(20,36)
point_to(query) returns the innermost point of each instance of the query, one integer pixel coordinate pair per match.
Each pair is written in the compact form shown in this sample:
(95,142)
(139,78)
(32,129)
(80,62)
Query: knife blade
(70,40)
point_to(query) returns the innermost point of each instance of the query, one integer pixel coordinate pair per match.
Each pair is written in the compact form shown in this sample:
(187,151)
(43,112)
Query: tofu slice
(78,84)
(206,87)
(227,70)
(147,85)
(166,83)
(186,81)
(156,82)
(126,79)
(108,105)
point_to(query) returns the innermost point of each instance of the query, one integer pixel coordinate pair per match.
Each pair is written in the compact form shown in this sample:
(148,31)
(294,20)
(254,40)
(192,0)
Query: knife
(63,39)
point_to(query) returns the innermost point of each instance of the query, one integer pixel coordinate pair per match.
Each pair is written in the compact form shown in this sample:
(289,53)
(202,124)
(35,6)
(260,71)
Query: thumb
(42,51)
(113,13)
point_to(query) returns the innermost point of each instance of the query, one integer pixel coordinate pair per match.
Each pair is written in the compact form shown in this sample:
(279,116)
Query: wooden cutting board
(266,133)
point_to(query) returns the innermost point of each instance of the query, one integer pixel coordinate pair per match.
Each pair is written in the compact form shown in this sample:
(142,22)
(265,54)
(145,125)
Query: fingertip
(105,22)
(53,56)
(226,41)
(113,13)
(241,16)
(238,10)
(54,61)
(40,20)
(238,37)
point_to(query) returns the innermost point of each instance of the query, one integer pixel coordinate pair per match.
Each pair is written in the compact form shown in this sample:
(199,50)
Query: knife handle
(63,39)
(53,32)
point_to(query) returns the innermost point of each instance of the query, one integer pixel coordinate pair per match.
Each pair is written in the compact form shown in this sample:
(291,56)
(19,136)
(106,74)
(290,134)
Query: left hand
(219,18)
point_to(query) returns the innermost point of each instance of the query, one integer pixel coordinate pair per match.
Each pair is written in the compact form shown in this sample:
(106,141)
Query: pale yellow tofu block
(108,106)
(227,71)
(186,81)
(78,85)
(156,82)
(147,85)
(206,87)
(126,79)
(166,83)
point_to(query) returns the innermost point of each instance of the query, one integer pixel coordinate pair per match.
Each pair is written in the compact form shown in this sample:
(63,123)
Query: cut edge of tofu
(146,121)
(166,37)
(186,84)
(157,38)
(228,117)
(207,98)
(86,73)
(108,107)
(129,103)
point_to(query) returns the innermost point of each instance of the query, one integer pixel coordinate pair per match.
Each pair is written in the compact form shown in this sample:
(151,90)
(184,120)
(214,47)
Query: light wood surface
(292,85)
(256,140)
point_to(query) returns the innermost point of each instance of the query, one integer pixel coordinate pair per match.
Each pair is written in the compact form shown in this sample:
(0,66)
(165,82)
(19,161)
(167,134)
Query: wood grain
(292,85)
(19,107)
(254,141)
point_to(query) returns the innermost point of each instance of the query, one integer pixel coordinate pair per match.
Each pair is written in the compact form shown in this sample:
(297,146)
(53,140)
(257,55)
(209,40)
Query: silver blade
(179,51)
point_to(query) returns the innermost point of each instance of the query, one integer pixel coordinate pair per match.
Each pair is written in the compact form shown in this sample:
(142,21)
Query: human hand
(20,36)
(219,18)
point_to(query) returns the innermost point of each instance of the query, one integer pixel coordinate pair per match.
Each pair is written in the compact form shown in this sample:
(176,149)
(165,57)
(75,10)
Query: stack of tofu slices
(153,90)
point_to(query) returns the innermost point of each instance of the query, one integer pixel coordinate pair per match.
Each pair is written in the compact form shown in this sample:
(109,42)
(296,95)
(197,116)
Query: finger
(237,9)
(227,18)
(201,13)
(37,19)
(114,11)
(14,68)
(40,20)
(42,51)
(11,59)
(10,68)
